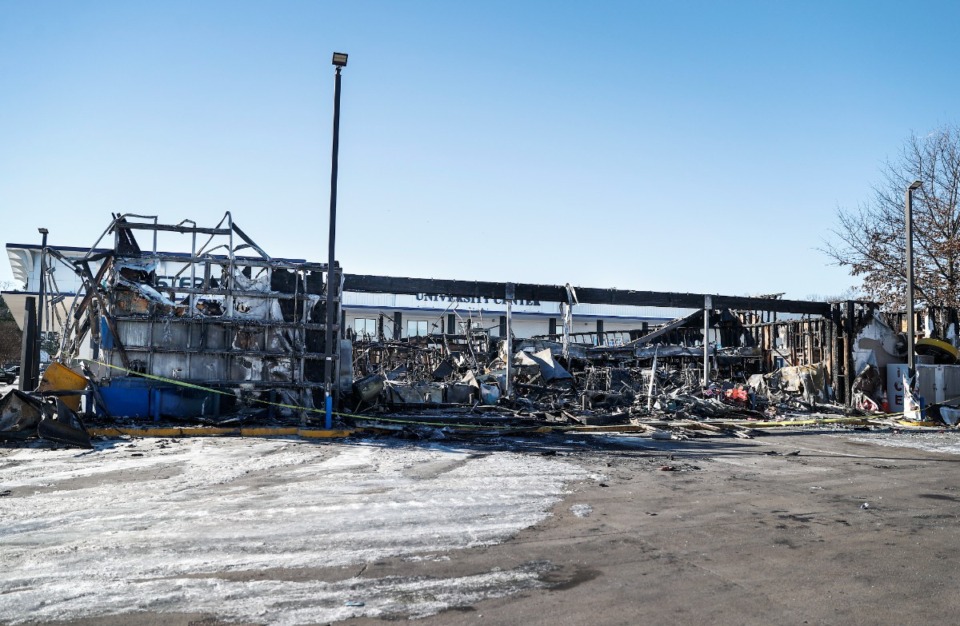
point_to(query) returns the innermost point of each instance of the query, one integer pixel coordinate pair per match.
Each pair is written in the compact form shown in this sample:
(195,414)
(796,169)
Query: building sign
(178,281)
(444,301)
(439,297)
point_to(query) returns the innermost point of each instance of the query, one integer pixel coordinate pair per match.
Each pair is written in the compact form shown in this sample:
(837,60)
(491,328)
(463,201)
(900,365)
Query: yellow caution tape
(290,431)
(807,422)
(924,424)
(199,431)
(181,383)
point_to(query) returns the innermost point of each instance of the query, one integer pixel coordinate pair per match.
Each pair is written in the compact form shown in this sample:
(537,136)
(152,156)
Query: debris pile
(548,380)
(26,416)
(210,336)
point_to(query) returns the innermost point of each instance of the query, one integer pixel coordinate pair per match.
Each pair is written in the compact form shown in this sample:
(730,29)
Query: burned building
(221,327)
(201,332)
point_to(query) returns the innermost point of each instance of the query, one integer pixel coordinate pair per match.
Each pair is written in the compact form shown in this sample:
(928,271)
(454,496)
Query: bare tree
(4,309)
(871,240)
(850,293)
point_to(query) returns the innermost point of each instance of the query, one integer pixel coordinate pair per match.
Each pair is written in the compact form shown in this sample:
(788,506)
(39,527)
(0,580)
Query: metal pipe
(300,333)
(567,309)
(193,273)
(329,337)
(909,260)
(653,377)
(848,362)
(229,280)
(707,305)
(509,340)
(156,220)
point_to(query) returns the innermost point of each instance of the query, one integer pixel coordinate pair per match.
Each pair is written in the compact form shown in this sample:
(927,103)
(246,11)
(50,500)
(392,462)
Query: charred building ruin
(221,326)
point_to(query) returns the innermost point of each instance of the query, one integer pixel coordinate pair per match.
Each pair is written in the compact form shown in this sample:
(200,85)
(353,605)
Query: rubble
(213,337)
(61,424)
(24,416)
(19,415)
(578,384)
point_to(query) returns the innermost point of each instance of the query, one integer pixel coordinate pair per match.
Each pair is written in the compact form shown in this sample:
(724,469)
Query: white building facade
(393,316)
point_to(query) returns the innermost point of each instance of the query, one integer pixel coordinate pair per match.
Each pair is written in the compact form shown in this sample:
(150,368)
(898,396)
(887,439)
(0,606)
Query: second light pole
(340,61)
(910,331)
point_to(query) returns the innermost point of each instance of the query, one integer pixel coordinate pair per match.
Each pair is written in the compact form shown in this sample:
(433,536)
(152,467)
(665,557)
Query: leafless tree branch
(870,240)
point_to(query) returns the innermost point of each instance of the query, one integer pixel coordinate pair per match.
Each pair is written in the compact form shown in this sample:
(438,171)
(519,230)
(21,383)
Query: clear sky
(674,146)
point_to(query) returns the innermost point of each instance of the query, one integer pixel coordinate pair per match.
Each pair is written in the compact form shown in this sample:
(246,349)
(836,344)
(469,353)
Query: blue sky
(674,146)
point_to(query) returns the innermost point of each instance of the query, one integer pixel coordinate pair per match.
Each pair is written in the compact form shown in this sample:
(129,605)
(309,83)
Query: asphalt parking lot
(818,527)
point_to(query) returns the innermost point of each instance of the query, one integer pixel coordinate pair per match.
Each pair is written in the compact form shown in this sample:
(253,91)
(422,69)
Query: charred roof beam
(585,295)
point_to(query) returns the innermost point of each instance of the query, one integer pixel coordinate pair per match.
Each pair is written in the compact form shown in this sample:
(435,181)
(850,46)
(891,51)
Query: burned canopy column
(848,367)
(567,310)
(38,348)
(28,355)
(707,305)
(836,331)
(331,342)
(509,294)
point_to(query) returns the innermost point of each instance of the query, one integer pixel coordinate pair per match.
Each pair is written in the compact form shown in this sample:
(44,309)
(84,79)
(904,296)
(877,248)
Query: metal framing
(206,332)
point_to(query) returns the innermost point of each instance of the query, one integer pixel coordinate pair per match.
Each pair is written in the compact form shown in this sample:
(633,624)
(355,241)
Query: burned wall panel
(211,317)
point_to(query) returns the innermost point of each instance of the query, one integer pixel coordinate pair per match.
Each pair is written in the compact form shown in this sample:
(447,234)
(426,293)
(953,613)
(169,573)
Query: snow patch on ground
(104,532)
(944,442)
(581,510)
(277,602)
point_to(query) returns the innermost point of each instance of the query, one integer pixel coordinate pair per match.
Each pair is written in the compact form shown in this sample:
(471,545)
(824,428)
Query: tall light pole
(43,283)
(910,332)
(340,61)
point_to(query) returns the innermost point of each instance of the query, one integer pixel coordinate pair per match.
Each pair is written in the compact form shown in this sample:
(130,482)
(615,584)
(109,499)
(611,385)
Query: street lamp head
(340,59)
(43,231)
(915,185)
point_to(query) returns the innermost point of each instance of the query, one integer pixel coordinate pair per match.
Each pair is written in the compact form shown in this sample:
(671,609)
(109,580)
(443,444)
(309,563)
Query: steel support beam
(585,295)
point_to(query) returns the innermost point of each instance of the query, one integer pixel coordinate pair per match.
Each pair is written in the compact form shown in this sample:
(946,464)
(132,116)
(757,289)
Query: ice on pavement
(105,532)
(947,442)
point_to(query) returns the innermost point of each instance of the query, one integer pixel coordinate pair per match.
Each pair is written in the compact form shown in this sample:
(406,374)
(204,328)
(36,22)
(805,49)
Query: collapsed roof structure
(211,334)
